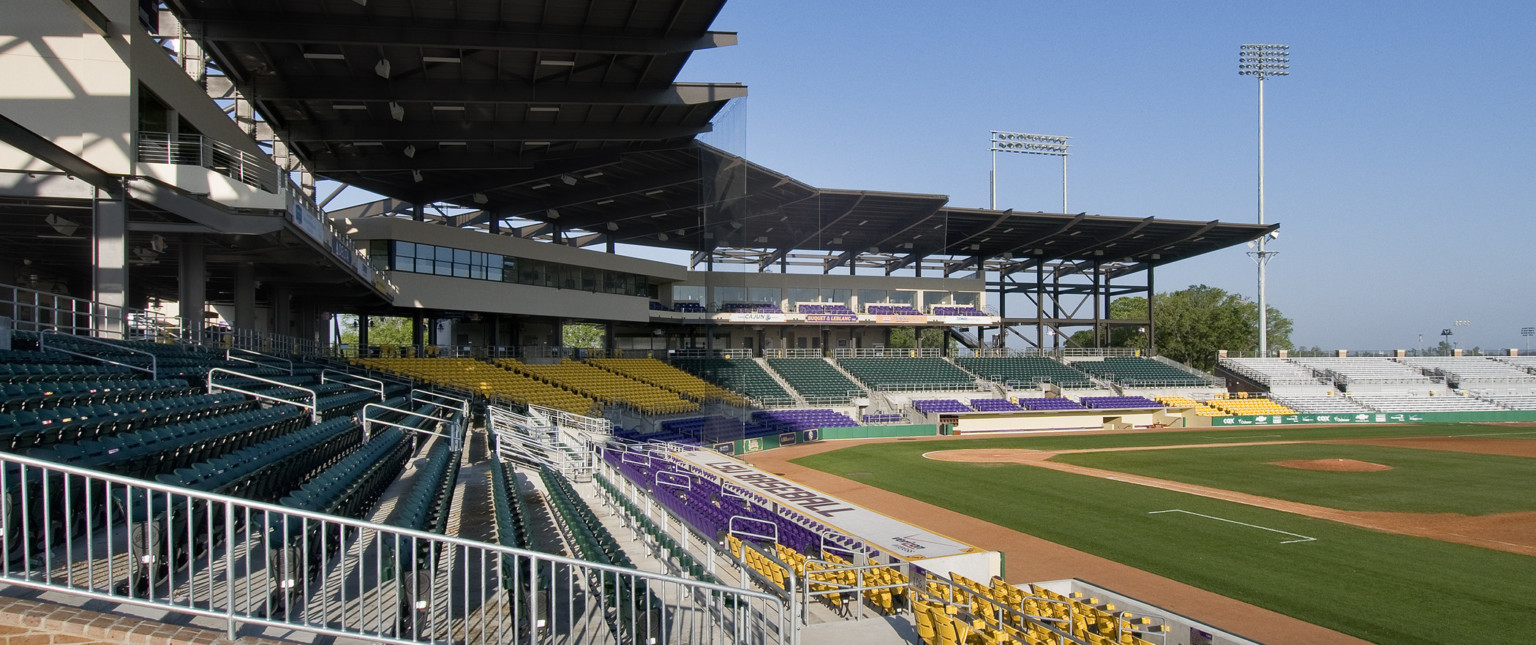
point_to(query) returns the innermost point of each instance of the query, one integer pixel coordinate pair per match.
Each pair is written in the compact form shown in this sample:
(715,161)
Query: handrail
(314,408)
(54,555)
(455,437)
(463,403)
(154,365)
(229,355)
(325,373)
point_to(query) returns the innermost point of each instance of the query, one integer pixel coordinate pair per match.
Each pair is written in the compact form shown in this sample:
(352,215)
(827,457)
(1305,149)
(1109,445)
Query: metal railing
(885,352)
(42,344)
(220,157)
(147,544)
(32,310)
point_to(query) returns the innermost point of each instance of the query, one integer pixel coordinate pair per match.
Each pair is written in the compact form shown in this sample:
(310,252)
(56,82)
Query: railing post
(229,570)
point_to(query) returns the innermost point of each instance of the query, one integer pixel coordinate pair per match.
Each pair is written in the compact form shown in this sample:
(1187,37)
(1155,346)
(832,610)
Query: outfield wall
(744,446)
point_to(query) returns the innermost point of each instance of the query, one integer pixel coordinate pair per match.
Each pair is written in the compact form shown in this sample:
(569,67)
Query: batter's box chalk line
(1301,538)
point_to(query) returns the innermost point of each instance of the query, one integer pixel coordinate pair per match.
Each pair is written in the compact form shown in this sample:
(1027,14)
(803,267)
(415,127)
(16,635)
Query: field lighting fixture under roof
(1263,60)
(1030,144)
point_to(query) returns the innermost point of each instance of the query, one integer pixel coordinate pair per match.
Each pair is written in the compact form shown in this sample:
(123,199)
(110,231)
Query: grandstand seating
(749,308)
(1397,402)
(839,309)
(995,405)
(795,420)
(944,310)
(742,375)
(1250,406)
(1273,372)
(608,388)
(1201,409)
(656,306)
(482,379)
(1025,371)
(1366,370)
(1471,371)
(1102,402)
(908,373)
(655,372)
(815,379)
(956,610)
(1050,403)
(1141,372)
(892,310)
(688,307)
(1510,401)
(1320,404)
(883,418)
(938,406)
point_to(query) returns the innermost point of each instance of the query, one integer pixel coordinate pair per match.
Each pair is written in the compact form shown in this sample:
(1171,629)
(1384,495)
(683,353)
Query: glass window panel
(907,297)
(798,295)
(444,253)
(477,258)
(769,295)
(461,256)
(729,294)
(477,272)
(493,273)
(840,296)
(493,260)
(460,270)
(443,267)
(405,249)
(688,293)
(970,298)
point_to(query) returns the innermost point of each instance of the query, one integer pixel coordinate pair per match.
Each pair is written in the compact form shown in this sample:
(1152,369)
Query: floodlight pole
(1262,61)
(1030,144)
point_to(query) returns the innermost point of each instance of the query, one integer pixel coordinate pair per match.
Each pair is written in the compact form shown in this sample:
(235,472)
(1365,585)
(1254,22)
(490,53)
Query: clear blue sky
(1400,153)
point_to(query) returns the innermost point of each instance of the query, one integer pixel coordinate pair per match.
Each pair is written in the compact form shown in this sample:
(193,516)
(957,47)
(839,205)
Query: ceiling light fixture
(440,59)
(539,186)
(543,108)
(322,56)
(396,111)
(603,202)
(410,151)
(568,179)
(382,68)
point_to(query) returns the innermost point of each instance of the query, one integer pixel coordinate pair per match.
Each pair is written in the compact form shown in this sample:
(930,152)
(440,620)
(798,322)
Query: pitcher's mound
(1338,465)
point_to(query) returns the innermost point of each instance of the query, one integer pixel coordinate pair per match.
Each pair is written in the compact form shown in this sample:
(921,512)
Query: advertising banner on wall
(751,318)
(901,320)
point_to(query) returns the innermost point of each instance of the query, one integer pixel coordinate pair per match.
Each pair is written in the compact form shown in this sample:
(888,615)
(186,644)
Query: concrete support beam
(192,274)
(245,296)
(109,273)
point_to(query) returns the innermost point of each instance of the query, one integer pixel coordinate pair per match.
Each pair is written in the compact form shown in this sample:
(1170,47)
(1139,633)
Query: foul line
(1488,434)
(1212,517)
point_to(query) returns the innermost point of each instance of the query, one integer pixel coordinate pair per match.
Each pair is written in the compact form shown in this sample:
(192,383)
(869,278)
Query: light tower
(1030,144)
(1263,61)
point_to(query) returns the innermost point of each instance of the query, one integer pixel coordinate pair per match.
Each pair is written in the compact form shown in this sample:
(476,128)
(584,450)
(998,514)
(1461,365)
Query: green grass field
(1377,586)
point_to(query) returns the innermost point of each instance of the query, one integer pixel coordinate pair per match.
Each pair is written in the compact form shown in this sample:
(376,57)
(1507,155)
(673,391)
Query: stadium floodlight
(1263,61)
(1030,144)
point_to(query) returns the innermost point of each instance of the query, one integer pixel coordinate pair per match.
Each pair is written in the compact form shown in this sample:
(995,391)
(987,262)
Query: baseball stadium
(645,389)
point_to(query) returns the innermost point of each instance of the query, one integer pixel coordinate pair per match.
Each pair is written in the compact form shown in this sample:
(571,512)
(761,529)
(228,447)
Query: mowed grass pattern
(1421,481)
(1380,587)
